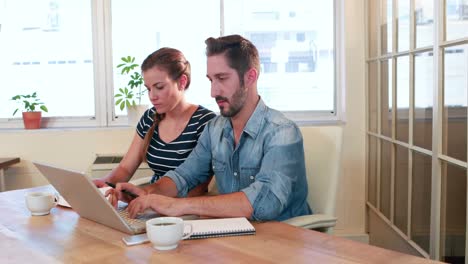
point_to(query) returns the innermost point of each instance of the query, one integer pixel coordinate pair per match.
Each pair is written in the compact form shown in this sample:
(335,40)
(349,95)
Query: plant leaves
(133,66)
(29,102)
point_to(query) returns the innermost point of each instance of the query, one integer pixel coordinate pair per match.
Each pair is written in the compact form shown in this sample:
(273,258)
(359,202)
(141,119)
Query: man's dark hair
(240,53)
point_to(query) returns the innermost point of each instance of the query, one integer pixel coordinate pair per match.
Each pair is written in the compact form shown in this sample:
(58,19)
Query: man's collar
(256,120)
(254,123)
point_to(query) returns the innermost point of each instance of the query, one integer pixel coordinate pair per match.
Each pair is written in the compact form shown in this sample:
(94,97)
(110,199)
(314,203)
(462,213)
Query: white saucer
(40,213)
(165,247)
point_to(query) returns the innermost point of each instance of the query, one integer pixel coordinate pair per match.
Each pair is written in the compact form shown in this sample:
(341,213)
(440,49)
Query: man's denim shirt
(267,164)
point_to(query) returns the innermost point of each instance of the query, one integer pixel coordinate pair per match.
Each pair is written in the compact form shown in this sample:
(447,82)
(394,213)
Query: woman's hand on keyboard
(123,188)
(113,197)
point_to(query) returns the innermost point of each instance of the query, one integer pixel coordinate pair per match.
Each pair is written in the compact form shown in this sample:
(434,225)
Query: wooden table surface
(6,162)
(63,236)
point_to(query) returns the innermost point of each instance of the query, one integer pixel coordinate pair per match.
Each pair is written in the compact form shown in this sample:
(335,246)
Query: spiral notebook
(220,227)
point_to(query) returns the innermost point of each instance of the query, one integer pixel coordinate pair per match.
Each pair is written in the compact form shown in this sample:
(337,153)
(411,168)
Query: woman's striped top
(161,156)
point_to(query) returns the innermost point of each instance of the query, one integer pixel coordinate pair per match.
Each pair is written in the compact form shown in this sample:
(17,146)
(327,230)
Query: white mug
(40,203)
(166,232)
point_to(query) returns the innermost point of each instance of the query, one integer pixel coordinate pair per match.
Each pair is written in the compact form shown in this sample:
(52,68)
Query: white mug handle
(188,234)
(56,198)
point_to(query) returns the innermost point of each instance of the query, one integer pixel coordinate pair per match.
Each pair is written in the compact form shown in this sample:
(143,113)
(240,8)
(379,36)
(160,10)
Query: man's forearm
(164,186)
(226,205)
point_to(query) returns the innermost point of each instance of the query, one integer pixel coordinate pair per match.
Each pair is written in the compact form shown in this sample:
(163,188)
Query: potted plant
(31,117)
(130,96)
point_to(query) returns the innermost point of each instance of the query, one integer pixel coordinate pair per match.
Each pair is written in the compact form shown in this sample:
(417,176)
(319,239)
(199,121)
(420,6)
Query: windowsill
(63,129)
(321,123)
(114,128)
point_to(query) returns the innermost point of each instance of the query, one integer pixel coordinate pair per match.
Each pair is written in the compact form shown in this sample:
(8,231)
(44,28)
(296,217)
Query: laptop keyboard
(126,217)
(137,224)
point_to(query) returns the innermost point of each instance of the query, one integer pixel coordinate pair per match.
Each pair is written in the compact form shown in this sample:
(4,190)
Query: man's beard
(236,102)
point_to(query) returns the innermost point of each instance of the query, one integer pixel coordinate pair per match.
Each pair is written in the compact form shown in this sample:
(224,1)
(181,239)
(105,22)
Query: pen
(124,191)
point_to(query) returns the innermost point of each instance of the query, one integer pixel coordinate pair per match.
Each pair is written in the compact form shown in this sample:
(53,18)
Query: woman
(167,132)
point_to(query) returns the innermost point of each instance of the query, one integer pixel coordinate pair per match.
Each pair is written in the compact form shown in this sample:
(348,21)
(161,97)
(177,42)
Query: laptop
(86,199)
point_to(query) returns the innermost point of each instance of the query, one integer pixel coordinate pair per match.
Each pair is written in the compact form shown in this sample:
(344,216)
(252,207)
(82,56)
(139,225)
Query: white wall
(351,204)
(73,149)
(76,149)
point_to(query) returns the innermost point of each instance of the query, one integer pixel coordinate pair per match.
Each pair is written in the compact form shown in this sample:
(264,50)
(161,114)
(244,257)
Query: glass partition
(423,99)
(385,177)
(402,98)
(372,171)
(372,95)
(401,188)
(456,19)
(455,101)
(403,22)
(421,200)
(424,15)
(386,27)
(386,98)
(453,210)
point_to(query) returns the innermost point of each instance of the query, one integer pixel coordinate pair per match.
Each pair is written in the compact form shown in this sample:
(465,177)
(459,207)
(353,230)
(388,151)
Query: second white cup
(40,203)
(166,232)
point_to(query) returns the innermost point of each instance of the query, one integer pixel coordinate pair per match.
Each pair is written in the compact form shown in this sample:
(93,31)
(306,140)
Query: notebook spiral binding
(220,227)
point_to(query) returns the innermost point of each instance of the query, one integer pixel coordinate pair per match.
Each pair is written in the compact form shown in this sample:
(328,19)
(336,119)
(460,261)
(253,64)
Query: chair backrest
(322,146)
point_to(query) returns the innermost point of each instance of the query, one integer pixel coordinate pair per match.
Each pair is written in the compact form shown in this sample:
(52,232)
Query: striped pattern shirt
(162,156)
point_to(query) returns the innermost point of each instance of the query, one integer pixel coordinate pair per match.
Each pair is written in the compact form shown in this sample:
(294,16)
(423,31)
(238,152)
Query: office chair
(322,146)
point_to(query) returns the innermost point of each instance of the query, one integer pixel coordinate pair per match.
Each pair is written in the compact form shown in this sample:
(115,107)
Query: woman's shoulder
(204,113)
(149,112)
(146,121)
(148,116)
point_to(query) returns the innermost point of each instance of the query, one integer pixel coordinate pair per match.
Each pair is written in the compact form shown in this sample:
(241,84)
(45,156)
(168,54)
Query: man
(255,153)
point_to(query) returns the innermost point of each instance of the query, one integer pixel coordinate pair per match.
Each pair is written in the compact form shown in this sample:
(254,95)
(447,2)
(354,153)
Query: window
(143,26)
(67,51)
(296,47)
(47,48)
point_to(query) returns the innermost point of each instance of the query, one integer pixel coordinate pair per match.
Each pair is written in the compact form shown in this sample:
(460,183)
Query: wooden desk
(63,236)
(5,163)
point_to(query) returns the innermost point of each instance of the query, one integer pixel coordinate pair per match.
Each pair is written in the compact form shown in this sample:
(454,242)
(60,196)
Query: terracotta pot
(32,120)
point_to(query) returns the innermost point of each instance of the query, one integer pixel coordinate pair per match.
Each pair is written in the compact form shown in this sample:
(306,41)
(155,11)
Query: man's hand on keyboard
(159,203)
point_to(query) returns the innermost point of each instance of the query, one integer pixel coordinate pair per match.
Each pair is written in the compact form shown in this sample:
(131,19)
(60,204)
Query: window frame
(103,77)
